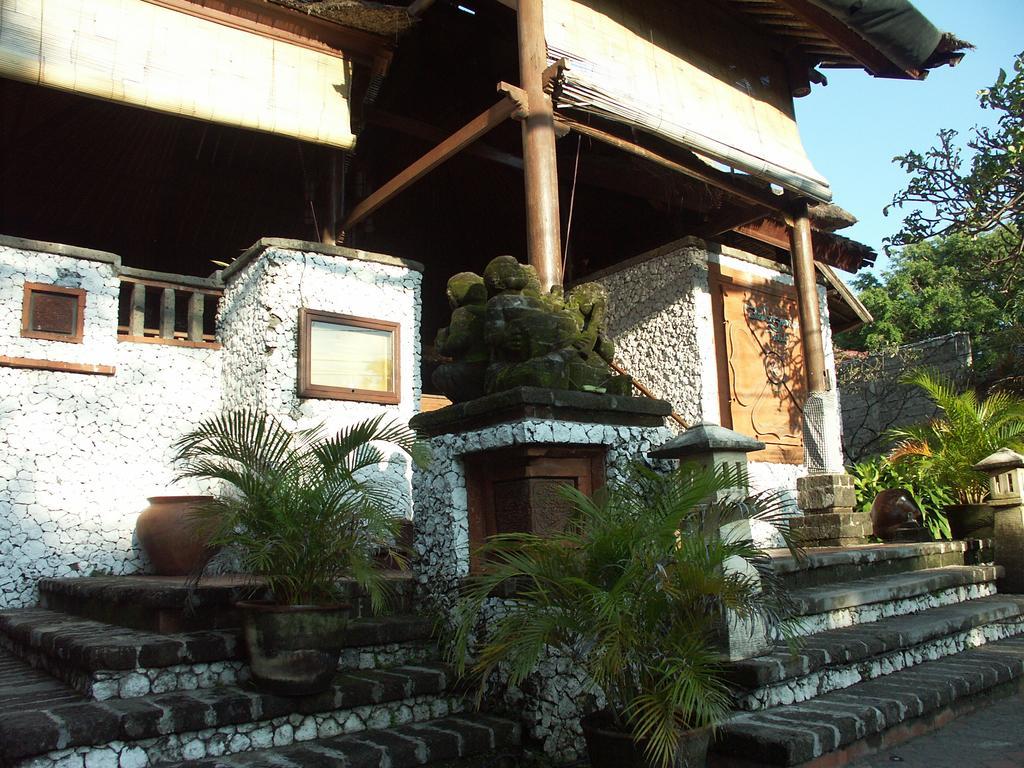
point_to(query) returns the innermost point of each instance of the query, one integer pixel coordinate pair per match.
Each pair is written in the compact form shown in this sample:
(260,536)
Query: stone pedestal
(1009,546)
(829,520)
(499,460)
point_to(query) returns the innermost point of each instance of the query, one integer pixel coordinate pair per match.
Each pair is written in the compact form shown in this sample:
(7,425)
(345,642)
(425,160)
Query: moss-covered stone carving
(505,333)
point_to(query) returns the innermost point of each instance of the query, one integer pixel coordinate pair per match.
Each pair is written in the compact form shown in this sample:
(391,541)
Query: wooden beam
(540,171)
(34,364)
(734,220)
(873,60)
(695,169)
(428,133)
(805,278)
(447,149)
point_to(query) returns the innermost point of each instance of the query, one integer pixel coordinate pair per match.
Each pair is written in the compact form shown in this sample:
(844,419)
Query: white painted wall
(79,454)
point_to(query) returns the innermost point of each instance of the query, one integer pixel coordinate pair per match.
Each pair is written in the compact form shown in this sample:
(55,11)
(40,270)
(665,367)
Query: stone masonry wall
(873,399)
(659,312)
(259,324)
(80,454)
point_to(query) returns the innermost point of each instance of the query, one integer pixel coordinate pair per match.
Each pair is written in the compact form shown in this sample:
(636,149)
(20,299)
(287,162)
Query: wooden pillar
(805,277)
(543,236)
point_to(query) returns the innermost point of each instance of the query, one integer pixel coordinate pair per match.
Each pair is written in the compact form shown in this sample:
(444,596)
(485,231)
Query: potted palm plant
(948,446)
(302,510)
(636,591)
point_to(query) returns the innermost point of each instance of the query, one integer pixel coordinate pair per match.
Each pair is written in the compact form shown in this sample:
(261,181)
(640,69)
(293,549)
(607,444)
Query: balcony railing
(164,308)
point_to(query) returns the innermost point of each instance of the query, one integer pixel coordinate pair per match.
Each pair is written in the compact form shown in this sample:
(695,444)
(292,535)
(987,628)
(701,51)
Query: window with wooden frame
(52,312)
(342,357)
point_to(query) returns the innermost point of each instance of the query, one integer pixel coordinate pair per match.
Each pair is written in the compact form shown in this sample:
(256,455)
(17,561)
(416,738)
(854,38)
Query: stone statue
(463,340)
(505,333)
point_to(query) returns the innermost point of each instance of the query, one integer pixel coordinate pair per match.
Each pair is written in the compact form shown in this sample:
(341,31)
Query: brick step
(470,740)
(804,732)
(173,604)
(844,604)
(828,565)
(106,661)
(22,687)
(841,658)
(171,727)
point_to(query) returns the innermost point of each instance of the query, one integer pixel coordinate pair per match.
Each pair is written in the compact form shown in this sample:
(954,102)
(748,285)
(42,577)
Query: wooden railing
(163,308)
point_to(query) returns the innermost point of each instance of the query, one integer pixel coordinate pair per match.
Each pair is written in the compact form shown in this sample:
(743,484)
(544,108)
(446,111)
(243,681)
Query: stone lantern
(1005,469)
(713,447)
(717,448)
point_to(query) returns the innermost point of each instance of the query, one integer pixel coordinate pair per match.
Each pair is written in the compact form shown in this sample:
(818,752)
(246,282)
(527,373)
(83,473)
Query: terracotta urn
(171,536)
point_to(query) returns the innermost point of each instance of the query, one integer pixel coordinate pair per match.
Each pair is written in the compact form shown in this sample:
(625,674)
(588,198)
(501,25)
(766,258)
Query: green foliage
(967,431)
(304,509)
(634,592)
(982,194)
(944,286)
(872,476)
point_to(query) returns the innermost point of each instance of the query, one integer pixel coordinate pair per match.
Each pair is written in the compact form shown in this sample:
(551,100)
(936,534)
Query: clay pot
(611,748)
(171,537)
(293,649)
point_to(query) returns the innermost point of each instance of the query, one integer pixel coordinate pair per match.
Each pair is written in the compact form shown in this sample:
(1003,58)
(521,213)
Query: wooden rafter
(462,138)
(694,169)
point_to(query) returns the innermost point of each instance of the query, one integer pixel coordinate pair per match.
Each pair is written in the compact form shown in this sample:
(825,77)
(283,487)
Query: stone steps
(868,599)
(841,658)
(191,724)
(106,661)
(807,731)
(174,604)
(471,740)
(830,565)
(22,686)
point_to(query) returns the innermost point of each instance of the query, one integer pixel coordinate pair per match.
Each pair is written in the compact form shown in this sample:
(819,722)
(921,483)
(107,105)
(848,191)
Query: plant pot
(608,747)
(971,521)
(171,537)
(293,649)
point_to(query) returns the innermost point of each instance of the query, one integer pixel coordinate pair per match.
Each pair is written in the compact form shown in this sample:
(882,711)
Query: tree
(984,194)
(944,285)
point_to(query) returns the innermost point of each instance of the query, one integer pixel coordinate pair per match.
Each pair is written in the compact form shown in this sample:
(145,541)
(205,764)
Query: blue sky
(853,127)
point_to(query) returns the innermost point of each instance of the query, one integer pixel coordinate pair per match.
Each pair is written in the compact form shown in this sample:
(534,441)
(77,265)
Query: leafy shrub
(967,430)
(633,592)
(877,474)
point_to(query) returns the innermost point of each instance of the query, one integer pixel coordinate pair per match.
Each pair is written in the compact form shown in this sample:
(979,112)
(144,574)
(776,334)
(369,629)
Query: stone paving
(992,737)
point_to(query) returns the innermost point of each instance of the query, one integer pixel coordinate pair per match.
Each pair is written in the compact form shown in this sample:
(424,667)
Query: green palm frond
(966,431)
(303,508)
(634,591)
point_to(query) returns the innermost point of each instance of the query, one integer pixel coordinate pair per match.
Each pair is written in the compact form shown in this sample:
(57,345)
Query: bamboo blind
(692,80)
(148,56)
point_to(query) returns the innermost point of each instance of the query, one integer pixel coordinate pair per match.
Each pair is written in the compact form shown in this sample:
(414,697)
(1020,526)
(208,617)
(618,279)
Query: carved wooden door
(760,363)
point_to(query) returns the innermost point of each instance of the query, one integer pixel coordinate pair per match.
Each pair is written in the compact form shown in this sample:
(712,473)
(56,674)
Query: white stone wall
(79,454)
(659,313)
(259,325)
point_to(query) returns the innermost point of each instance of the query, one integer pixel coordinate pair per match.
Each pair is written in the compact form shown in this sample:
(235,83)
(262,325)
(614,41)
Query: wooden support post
(137,320)
(451,146)
(196,310)
(543,223)
(805,277)
(167,313)
(329,230)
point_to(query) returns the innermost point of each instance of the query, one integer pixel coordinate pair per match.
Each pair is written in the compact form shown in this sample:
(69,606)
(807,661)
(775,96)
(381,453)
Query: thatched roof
(829,217)
(376,18)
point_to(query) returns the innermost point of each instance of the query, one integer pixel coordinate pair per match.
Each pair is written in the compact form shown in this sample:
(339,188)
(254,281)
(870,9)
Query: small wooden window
(52,312)
(348,358)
